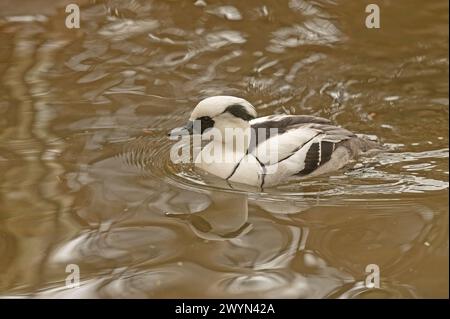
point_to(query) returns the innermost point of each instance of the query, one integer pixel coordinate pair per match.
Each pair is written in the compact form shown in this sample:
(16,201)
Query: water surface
(86,178)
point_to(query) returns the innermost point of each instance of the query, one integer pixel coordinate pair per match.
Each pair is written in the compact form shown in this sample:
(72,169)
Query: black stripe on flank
(239,111)
(311,159)
(264,169)
(326,149)
(235,168)
(298,148)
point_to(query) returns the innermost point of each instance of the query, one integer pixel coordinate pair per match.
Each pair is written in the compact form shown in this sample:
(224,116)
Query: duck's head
(218,112)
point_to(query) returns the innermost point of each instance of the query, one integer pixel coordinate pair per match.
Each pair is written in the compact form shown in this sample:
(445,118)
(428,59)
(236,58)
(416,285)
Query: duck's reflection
(225,217)
(254,242)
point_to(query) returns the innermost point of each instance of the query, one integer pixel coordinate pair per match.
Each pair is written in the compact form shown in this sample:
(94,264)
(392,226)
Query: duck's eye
(205,122)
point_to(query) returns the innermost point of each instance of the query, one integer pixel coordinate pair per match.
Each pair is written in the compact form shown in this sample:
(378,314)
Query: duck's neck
(235,140)
(225,151)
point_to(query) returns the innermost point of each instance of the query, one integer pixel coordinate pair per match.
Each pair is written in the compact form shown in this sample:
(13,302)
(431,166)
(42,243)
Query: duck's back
(302,146)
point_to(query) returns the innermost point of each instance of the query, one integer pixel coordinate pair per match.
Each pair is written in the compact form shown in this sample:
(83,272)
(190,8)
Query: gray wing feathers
(326,138)
(286,122)
(333,133)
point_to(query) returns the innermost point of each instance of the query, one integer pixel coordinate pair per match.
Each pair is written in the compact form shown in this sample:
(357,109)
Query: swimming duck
(273,149)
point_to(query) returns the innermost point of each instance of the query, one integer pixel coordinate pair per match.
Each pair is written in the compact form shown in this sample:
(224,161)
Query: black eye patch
(205,122)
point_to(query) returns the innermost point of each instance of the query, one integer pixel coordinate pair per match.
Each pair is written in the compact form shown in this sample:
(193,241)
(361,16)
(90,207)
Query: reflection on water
(86,176)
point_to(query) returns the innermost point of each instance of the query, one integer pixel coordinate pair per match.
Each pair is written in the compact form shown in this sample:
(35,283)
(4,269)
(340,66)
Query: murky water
(86,177)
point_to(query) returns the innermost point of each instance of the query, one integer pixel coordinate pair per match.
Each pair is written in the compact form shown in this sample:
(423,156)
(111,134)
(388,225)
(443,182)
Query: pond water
(86,178)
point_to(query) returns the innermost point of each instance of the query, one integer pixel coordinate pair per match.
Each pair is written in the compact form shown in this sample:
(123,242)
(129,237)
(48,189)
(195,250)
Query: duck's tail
(364,144)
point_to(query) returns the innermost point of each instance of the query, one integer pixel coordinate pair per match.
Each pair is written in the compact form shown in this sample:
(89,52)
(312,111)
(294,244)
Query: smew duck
(274,148)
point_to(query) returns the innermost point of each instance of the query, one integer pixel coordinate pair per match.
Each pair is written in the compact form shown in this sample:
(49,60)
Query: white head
(220,112)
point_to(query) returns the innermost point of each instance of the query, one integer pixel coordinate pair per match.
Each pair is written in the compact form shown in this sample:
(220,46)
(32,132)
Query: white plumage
(275,148)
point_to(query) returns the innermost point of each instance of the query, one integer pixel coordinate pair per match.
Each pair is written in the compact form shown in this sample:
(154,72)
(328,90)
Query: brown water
(82,183)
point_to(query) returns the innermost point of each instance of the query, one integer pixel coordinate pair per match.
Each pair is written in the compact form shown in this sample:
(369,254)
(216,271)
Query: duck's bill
(188,129)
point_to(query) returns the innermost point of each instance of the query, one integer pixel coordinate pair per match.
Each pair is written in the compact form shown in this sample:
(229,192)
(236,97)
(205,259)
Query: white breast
(249,171)
(218,160)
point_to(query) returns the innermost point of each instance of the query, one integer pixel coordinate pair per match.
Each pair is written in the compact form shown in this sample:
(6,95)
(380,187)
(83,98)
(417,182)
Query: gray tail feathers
(362,144)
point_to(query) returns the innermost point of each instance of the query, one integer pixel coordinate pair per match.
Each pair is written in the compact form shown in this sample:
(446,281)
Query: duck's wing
(312,139)
(286,122)
(267,127)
